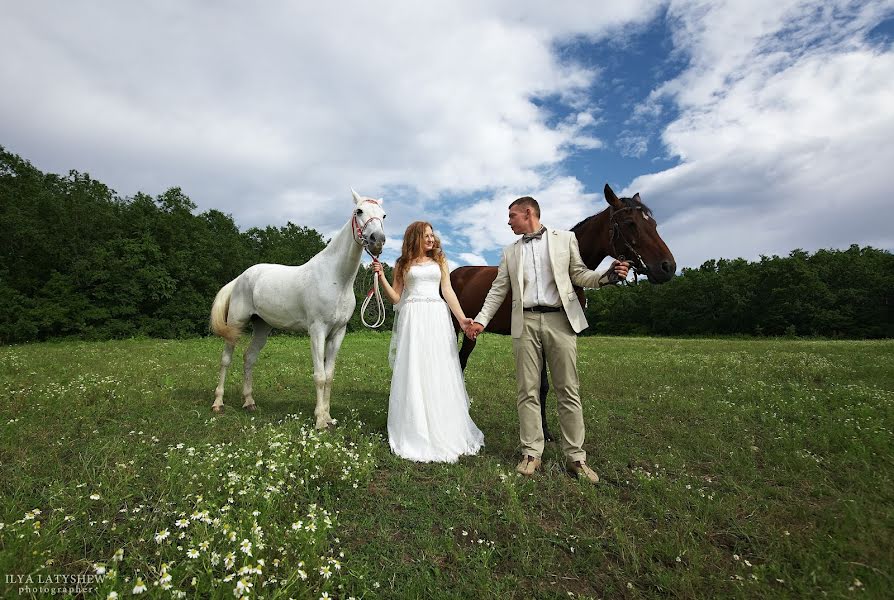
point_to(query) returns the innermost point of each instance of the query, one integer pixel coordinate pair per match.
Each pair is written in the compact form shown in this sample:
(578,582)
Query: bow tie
(533,236)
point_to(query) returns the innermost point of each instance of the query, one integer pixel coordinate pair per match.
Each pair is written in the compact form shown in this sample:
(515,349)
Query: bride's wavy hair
(414,248)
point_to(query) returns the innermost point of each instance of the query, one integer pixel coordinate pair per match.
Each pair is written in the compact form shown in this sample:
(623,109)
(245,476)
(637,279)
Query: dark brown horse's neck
(593,237)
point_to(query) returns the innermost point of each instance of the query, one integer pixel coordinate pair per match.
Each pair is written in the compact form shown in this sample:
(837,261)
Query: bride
(428,410)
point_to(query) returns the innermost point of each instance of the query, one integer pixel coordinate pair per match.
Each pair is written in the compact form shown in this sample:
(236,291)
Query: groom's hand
(620,269)
(473,330)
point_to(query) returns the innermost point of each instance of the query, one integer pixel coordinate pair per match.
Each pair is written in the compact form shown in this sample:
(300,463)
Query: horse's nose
(377,238)
(669,267)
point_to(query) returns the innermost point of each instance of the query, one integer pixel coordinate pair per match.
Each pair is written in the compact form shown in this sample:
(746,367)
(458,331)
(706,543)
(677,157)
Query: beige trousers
(548,334)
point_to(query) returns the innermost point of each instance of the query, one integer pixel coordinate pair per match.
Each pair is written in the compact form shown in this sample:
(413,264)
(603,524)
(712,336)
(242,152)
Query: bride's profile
(428,408)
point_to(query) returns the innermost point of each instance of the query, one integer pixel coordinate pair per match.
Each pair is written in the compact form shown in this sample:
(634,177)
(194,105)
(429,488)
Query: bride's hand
(465,323)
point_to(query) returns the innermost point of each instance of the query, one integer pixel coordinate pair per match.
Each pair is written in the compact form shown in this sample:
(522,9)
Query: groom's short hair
(527,202)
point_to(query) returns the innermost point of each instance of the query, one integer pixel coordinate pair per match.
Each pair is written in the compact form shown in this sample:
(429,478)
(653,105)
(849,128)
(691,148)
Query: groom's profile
(540,269)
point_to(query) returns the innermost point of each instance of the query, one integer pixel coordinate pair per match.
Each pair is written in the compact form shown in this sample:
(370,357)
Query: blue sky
(750,127)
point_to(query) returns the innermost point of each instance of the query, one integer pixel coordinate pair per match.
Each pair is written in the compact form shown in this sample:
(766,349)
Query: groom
(540,269)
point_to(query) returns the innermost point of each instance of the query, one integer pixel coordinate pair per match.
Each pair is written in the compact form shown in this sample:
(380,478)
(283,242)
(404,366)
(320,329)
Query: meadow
(731,468)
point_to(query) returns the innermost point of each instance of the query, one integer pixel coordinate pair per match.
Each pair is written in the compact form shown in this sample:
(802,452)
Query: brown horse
(625,230)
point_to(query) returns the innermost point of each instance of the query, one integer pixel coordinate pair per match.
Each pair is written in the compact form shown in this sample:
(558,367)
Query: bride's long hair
(414,248)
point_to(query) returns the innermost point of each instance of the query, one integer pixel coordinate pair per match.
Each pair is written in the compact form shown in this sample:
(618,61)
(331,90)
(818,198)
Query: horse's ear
(611,198)
(380,200)
(357,198)
(636,198)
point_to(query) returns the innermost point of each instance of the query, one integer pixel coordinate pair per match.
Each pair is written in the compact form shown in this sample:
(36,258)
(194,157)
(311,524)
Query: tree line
(830,293)
(80,261)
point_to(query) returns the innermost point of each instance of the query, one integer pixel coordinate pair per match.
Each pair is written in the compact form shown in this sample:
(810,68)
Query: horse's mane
(628,203)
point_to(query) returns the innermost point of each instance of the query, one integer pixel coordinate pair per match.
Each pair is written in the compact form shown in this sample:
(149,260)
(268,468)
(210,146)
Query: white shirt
(539,282)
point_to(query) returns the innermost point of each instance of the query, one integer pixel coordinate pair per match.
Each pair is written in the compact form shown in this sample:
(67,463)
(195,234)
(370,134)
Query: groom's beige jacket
(568,269)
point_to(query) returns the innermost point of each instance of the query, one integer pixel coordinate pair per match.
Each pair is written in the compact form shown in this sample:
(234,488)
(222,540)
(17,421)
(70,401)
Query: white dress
(428,410)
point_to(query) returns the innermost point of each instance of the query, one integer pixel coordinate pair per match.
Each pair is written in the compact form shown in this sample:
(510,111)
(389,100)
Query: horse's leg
(318,355)
(260,331)
(225,361)
(465,350)
(544,390)
(332,346)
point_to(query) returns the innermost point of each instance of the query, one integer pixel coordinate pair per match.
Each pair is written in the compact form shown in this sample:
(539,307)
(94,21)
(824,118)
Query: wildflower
(140,587)
(119,555)
(182,523)
(162,536)
(302,574)
(95,496)
(229,560)
(242,587)
(113,595)
(245,546)
(204,545)
(99,568)
(192,553)
(325,571)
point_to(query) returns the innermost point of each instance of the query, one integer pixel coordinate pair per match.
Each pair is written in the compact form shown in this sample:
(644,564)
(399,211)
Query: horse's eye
(358,212)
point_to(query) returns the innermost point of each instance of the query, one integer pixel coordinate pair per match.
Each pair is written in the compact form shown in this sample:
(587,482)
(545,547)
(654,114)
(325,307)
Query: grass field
(730,468)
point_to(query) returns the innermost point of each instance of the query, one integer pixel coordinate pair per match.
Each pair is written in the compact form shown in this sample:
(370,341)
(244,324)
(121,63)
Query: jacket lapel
(551,247)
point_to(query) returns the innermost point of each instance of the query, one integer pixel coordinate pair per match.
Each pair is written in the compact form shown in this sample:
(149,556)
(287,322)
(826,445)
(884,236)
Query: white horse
(316,297)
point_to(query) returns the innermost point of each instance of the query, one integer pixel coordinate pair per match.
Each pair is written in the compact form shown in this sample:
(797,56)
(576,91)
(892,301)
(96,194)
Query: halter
(638,265)
(360,232)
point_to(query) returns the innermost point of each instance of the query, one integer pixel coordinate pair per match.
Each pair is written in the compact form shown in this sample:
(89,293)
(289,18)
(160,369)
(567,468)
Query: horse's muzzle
(375,243)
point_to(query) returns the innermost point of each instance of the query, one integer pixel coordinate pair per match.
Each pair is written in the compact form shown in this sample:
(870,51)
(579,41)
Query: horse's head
(634,237)
(367,222)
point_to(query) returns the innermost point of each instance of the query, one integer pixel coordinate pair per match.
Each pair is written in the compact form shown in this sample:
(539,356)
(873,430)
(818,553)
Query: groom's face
(520,220)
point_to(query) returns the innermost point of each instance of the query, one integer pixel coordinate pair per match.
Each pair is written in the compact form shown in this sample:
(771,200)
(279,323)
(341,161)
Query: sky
(750,127)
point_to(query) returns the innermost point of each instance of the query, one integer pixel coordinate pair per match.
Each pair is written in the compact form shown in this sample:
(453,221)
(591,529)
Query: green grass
(730,468)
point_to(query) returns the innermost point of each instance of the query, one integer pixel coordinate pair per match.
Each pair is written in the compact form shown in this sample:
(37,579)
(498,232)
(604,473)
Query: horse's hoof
(250,408)
(217,410)
(547,436)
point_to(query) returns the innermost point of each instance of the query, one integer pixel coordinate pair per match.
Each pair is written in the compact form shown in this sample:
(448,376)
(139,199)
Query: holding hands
(473,329)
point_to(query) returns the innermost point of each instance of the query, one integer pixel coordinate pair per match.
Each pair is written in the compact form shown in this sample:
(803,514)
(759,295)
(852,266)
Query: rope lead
(380,304)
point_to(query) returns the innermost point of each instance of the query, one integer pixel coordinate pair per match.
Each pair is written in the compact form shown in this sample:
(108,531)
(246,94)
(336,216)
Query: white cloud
(782,118)
(783,131)
(470,258)
(272,112)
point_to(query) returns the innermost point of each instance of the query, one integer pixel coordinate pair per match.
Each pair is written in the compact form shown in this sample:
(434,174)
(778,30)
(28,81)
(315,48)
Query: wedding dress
(428,410)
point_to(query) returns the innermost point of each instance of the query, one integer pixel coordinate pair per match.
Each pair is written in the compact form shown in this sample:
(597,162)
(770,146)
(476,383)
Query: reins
(374,290)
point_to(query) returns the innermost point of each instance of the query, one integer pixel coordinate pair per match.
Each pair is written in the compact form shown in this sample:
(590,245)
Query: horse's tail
(219,311)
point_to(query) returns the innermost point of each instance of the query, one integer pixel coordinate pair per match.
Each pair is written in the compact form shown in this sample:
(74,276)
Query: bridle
(638,265)
(360,231)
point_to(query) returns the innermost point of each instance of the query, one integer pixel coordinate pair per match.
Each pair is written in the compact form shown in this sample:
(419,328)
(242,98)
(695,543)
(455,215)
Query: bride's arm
(392,293)
(450,298)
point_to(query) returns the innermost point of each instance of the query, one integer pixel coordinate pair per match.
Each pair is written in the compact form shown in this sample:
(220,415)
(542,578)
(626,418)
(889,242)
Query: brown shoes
(580,469)
(528,465)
